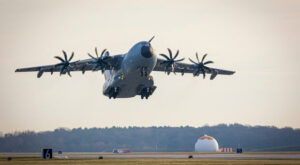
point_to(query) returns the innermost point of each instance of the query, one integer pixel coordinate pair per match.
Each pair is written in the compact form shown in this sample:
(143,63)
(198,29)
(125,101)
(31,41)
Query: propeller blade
(193,61)
(103,52)
(170,61)
(65,54)
(208,62)
(179,60)
(96,51)
(203,58)
(68,71)
(196,73)
(203,72)
(59,58)
(91,56)
(197,57)
(176,54)
(72,55)
(170,53)
(165,56)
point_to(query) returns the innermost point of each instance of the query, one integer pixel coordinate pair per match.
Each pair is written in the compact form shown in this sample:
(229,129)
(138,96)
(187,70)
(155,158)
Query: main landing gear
(146,92)
(113,92)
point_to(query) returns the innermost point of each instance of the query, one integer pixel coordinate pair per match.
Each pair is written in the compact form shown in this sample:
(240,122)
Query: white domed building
(206,144)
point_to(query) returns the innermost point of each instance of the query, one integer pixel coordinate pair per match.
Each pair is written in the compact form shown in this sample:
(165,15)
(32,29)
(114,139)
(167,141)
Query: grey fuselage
(127,80)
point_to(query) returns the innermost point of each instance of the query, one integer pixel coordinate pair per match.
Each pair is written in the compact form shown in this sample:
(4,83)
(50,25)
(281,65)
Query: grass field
(34,161)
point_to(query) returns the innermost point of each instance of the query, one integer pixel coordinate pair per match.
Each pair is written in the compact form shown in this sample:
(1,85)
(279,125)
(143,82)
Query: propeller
(170,61)
(200,65)
(100,60)
(65,63)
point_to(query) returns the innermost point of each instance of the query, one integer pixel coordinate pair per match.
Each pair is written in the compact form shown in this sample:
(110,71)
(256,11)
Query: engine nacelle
(214,74)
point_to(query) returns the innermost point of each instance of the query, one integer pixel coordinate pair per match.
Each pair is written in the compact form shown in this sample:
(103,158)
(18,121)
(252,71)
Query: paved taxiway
(167,155)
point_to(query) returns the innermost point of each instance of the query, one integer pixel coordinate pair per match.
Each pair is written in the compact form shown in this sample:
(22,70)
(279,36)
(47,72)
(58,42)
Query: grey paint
(132,82)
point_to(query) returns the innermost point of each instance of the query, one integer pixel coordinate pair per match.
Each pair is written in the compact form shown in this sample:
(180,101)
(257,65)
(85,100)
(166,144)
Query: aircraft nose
(146,51)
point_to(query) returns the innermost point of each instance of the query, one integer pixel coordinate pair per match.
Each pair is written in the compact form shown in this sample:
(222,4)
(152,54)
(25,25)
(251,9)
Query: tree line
(151,139)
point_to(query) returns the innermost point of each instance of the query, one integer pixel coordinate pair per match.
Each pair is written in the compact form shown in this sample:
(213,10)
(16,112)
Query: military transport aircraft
(127,75)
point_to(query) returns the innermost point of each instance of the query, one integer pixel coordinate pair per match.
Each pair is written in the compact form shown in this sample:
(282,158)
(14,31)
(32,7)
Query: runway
(167,155)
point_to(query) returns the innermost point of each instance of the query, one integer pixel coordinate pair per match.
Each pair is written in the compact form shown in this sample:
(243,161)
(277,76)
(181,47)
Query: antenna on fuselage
(151,39)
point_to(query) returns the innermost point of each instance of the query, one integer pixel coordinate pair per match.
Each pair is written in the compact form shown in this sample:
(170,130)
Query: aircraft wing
(182,68)
(82,65)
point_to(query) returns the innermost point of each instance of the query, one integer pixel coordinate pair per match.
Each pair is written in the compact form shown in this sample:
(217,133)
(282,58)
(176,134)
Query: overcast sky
(259,39)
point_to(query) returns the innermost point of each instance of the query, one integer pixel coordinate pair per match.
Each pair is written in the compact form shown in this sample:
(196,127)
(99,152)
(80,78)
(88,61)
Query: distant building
(227,149)
(206,144)
(119,151)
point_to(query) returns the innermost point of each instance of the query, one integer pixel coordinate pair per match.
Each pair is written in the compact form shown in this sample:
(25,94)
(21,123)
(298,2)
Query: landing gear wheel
(146,92)
(113,93)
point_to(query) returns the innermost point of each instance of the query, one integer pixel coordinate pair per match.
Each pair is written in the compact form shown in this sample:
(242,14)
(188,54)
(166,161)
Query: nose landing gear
(113,92)
(144,71)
